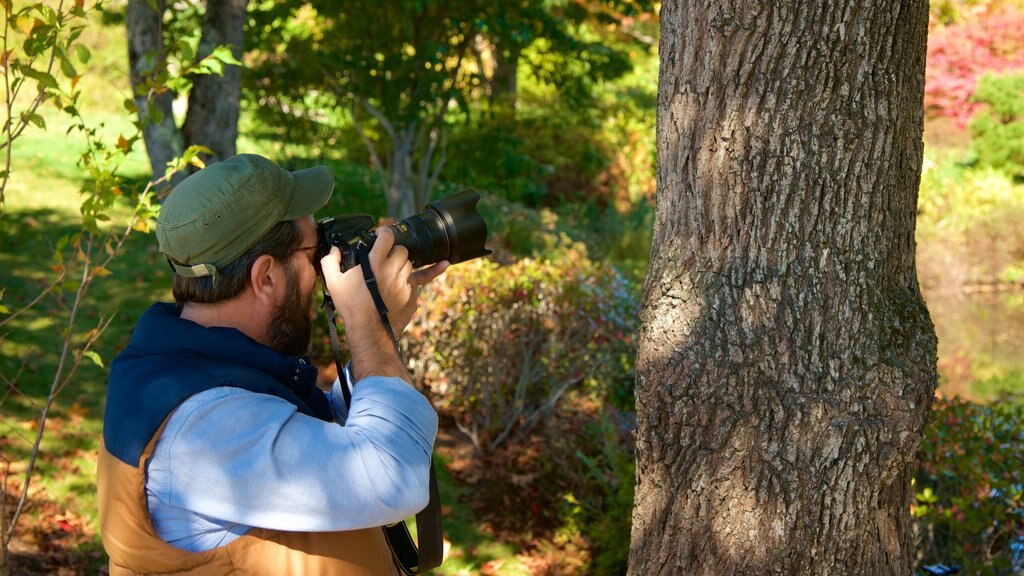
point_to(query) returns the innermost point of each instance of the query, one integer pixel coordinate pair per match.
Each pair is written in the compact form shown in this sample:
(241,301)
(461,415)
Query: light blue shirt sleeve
(230,459)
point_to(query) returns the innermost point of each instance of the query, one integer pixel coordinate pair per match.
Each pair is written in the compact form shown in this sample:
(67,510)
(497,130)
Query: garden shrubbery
(970,225)
(503,344)
(969,504)
(997,128)
(533,361)
(959,54)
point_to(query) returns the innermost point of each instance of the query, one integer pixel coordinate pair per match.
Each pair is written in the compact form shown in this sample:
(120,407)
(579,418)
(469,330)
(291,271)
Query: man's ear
(266,278)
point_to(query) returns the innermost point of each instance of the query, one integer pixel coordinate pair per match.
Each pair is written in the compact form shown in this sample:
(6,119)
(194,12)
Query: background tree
(786,360)
(391,69)
(397,75)
(161,39)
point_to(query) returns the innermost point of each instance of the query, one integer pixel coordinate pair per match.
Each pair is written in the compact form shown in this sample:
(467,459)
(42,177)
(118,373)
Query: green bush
(601,480)
(969,487)
(997,129)
(501,345)
(970,224)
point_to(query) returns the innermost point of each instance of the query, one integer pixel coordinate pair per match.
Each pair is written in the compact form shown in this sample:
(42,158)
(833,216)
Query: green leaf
(178,85)
(49,15)
(187,52)
(43,78)
(82,53)
(211,66)
(4,309)
(35,119)
(67,68)
(223,54)
(94,357)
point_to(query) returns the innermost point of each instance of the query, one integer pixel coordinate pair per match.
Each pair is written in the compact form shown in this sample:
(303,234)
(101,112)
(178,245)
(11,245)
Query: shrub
(969,503)
(959,54)
(970,225)
(997,129)
(601,483)
(502,345)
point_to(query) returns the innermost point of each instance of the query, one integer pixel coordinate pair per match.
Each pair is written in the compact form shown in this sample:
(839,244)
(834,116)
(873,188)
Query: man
(220,455)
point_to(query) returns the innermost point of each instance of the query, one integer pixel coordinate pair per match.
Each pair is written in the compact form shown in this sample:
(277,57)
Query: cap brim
(313,188)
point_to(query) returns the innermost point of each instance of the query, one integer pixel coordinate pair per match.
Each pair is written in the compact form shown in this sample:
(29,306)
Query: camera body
(450,229)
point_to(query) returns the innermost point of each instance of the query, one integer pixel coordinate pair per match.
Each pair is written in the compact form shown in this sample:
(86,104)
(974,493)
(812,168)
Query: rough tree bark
(145,47)
(786,360)
(215,101)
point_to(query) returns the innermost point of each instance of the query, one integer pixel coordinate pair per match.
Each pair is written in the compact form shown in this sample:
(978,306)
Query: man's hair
(280,242)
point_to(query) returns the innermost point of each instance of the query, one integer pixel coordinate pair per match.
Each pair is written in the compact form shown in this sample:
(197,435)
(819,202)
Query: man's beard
(291,326)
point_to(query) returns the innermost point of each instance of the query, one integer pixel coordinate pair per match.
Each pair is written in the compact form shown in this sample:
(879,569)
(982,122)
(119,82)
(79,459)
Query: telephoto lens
(450,229)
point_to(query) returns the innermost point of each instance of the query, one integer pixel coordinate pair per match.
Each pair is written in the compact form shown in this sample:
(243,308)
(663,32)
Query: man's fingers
(425,275)
(382,245)
(331,262)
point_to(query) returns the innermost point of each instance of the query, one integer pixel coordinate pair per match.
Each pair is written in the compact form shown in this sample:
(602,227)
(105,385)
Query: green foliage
(970,224)
(428,88)
(1001,387)
(504,344)
(601,478)
(946,12)
(969,488)
(38,45)
(997,129)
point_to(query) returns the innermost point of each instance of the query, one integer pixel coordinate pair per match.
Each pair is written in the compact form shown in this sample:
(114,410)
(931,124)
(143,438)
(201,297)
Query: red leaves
(960,54)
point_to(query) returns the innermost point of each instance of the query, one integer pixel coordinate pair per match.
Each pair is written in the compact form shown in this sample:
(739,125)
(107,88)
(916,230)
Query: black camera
(450,229)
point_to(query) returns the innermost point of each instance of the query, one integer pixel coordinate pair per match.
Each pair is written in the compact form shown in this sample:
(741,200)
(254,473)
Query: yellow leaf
(123,143)
(141,226)
(74,80)
(25,24)
(101,271)
(197,162)
(116,191)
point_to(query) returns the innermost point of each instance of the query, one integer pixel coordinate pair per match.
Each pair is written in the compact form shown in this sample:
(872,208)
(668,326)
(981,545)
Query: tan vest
(135,548)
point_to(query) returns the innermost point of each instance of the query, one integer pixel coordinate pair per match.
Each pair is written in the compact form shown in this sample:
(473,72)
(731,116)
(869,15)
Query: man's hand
(397,282)
(372,352)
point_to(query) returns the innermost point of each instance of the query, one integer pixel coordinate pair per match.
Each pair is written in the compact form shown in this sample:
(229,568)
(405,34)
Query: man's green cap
(216,214)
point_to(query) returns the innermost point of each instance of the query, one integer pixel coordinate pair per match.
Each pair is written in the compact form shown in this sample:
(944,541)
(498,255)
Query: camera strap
(363,251)
(412,560)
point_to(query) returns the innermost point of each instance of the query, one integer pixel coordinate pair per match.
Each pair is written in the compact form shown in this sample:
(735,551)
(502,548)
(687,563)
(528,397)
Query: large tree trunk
(786,360)
(215,101)
(145,54)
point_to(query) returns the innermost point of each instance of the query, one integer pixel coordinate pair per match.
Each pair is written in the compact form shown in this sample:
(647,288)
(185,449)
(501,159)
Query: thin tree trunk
(505,82)
(786,361)
(214,102)
(145,53)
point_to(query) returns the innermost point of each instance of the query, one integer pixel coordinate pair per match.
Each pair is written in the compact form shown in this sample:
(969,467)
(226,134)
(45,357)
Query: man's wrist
(373,351)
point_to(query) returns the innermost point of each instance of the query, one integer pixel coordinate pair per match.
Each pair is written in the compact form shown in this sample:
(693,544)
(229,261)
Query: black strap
(429,525)
(335,351)
(431,536)
(363,250)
